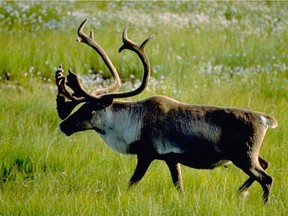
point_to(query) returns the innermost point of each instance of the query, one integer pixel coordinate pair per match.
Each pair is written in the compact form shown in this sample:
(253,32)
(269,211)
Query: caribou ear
(107,102)
(102,103)
(64,107)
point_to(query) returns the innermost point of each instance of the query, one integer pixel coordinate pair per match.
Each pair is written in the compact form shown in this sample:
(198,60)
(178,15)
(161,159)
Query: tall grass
(226,54)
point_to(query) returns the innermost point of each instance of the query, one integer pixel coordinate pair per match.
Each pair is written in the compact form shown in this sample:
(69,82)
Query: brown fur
(197,136)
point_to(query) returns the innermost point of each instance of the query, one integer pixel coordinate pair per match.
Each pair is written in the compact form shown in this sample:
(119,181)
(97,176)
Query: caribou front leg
(141,168)
(176,175)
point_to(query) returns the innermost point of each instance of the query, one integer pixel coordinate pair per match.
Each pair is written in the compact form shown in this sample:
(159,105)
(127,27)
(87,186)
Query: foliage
(218,53)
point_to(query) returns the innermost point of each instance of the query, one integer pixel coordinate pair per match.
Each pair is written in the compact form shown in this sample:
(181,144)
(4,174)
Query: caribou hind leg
(265,181)
(264,164)
(257,173)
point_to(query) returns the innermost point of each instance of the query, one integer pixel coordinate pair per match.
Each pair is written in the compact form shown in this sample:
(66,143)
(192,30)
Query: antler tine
(60,82)
(139,50)
(74,83)
(127,43)
(142,46)
(71,81)
(92,34)
(66,100)
(131,45)
(89,40)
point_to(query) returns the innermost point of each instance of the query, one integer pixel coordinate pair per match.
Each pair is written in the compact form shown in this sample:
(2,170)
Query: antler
(70,90)
(89,40)
(67,100)
(139,50)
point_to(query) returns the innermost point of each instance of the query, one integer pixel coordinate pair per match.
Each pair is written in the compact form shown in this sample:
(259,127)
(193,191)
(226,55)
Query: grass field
(231,54)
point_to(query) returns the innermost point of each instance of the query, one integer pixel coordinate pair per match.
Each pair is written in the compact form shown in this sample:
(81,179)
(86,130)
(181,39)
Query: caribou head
(71,92)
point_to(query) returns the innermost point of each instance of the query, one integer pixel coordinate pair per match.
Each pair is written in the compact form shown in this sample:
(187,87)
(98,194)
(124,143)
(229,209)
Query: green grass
(226,54)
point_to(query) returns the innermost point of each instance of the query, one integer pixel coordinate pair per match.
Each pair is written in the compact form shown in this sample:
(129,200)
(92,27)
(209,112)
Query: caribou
(161,128)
